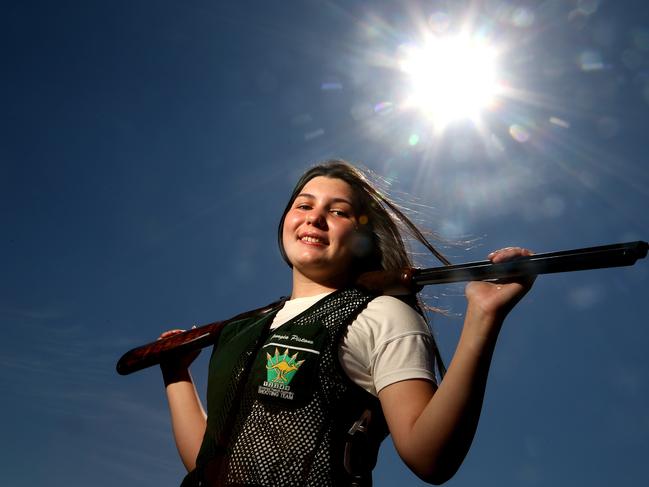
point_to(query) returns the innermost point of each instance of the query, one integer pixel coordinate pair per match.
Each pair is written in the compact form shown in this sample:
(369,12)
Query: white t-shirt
(387,342)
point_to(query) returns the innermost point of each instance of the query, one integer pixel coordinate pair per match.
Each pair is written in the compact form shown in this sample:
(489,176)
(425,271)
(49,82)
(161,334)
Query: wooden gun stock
(194,339)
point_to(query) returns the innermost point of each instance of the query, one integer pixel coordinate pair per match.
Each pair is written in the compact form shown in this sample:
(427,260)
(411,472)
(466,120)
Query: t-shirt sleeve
(387,343)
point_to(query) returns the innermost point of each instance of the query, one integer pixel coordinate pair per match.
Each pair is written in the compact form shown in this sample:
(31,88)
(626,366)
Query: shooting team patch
(280,370)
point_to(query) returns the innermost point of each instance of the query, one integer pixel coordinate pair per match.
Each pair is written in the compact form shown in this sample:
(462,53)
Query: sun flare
(451,78)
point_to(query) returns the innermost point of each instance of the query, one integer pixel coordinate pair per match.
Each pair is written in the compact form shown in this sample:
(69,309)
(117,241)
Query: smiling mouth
(310,239)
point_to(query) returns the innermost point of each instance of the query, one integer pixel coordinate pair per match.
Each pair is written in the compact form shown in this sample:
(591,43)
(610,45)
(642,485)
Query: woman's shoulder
(390,316)
(393,304)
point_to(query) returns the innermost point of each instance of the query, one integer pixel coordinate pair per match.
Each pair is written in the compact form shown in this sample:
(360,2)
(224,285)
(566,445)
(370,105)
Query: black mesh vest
(282,412)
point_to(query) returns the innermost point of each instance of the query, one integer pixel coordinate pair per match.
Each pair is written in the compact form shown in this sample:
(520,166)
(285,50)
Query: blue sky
(147,149)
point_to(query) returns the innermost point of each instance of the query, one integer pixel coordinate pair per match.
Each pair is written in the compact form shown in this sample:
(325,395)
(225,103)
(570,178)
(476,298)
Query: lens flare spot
(559,122)
(331,86)
(361,245)
(522,17)
(301,119)
(439,22)
(413,140)
(383,107)
(519,133)
(587,7)
(590,61)
(314,134)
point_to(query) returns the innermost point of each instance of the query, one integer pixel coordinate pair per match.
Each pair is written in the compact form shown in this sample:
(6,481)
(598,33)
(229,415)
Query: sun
(451,78)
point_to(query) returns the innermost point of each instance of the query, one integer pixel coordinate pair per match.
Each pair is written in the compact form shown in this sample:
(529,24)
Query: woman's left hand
(496,299)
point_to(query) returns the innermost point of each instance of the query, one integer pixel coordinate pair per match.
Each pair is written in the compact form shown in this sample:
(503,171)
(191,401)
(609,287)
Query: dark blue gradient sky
(148,148)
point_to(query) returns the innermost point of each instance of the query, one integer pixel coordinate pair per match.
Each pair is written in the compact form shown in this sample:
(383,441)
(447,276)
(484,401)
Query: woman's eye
(342,213)
(303,206)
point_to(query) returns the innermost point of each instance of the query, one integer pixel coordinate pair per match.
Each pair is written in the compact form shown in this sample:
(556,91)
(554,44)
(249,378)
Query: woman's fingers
(512,253)
(169,333)
(508,253)
(500,296)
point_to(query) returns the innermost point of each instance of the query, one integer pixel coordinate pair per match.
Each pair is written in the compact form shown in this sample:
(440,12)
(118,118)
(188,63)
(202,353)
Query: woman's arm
(188,418)
(433,430)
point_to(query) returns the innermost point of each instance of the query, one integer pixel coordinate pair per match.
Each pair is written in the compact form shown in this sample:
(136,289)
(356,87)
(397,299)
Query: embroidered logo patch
(280,369)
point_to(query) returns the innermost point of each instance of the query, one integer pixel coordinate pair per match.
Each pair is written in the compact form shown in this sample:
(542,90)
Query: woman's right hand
(177,363)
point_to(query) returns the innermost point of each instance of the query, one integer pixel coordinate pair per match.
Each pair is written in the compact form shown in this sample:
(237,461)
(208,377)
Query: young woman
(304,393)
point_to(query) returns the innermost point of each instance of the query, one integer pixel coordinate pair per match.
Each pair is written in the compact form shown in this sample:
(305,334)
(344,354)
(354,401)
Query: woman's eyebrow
(333,200)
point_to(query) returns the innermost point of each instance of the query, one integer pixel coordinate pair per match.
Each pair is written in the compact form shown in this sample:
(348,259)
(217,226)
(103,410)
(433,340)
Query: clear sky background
(146,153)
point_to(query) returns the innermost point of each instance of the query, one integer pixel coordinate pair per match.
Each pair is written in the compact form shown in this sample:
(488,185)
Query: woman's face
(319,230)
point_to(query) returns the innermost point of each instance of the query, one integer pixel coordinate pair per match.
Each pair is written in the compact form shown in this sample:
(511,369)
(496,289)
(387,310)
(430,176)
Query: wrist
(481,327)
(172,374)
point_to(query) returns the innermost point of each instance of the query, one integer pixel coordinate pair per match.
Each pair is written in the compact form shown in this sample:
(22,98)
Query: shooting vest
(281,410)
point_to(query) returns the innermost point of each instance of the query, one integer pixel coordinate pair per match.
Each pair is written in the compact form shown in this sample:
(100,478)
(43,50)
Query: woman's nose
(316,218)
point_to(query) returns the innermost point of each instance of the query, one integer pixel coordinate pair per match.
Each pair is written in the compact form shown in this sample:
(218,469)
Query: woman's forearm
(188,419)
(442,434)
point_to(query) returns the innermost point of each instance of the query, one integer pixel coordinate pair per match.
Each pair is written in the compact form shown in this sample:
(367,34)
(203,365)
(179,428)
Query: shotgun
(404,282)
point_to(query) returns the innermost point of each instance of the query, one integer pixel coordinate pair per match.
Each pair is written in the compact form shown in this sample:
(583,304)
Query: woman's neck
(303,290)
(304,287)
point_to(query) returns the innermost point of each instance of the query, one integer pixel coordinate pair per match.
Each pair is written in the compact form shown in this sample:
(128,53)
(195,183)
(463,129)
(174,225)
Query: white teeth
(306,238)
